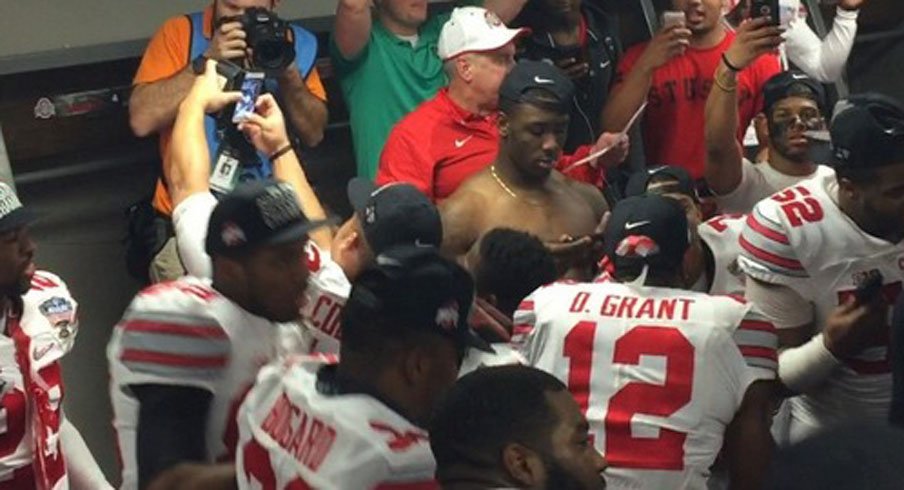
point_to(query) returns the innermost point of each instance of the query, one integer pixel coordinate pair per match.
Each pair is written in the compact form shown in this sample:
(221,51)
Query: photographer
(247,33)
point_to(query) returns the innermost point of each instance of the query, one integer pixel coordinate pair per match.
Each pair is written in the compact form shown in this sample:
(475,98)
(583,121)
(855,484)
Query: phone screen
(251,88)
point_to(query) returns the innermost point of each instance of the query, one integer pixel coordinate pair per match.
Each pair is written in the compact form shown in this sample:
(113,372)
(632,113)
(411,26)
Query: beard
(780,144)
(558,478)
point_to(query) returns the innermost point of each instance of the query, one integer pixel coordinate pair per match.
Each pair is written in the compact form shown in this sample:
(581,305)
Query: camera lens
(272,55)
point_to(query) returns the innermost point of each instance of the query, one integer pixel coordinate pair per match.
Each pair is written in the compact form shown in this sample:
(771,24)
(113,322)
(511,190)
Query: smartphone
(252,83)
(765,8)
(868,289)
(673,18)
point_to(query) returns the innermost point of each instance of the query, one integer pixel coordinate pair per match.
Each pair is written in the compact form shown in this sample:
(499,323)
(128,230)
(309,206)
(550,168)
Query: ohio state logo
(637,246)
(492,19)
(232,235)
(447,316)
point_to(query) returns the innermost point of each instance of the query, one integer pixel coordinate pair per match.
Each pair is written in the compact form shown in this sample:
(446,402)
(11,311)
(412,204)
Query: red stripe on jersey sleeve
(770,257)
(521,329)
(760,352)
(203,332)
(526,305)
(766,232)
(760,326)
(421,485)
(861,366)
(135,355)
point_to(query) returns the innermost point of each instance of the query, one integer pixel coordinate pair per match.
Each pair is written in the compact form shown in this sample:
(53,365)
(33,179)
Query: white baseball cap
(474,30)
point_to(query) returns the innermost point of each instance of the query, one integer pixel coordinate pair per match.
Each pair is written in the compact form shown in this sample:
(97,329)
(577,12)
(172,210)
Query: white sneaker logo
(543,81)
(638,224)
(460,143)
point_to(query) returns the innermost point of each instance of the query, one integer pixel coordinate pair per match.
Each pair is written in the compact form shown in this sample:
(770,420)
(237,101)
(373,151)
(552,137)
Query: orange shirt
(168,53)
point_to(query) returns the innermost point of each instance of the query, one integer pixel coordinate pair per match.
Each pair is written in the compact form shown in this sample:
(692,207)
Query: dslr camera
(268,37)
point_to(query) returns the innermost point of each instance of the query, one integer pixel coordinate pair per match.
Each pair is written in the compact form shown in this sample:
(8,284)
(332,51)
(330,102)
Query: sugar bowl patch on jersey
(50,311)
(60,312)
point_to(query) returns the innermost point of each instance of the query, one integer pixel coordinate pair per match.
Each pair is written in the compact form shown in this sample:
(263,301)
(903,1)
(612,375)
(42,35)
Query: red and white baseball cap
(474,30)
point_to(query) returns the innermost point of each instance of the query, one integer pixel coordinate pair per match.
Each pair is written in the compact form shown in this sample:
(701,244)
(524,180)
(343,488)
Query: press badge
(225,173)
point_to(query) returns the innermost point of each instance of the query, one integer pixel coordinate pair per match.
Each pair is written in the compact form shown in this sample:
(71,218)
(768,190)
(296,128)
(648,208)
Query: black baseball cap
(256,213)
(647,230)
(395,214)
(867,131)
(528,75)
(792,83)
(12,213)
(416,288)
(640,181)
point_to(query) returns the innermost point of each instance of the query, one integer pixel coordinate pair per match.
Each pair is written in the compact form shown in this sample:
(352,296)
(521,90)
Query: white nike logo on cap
(419,244)
(638,224)
(460,143)
(543,81)
(798,76)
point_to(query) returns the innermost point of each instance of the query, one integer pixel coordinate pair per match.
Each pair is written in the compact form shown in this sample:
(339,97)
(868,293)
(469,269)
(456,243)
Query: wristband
(280,152)
(801,368)
(728,64)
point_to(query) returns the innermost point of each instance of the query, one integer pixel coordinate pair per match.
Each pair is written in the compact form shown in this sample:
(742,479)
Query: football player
(660,372)
(824,259)
(40,448)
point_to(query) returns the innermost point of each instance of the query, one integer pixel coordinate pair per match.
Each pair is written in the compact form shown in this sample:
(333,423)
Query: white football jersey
(50,322)
(799,238)
(294,436)
(327,292)
(759,181)
(504,355)
(721,235)
(185,333)
(656,371)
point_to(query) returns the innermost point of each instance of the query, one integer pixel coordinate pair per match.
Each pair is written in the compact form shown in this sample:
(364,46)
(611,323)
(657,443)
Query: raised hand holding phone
(265,127)
(252,83)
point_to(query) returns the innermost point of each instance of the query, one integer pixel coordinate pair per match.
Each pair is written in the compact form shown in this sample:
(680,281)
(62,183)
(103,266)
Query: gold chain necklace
(509,190)
(501,183)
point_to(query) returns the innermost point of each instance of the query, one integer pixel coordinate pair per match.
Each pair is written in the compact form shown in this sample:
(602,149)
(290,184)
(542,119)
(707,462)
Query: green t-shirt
(387,80)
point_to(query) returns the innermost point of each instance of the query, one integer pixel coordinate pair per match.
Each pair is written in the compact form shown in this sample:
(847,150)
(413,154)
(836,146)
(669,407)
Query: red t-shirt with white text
(674,120)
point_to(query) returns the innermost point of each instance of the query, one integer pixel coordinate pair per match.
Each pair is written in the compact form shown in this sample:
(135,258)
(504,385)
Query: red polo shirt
(439,145)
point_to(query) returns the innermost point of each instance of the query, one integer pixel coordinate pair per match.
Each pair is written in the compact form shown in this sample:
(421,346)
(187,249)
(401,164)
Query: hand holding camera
(258,36)
(228,42)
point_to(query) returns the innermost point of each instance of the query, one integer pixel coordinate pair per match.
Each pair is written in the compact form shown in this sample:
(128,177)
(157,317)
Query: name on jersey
(616,306)
(307,438)
(325,316)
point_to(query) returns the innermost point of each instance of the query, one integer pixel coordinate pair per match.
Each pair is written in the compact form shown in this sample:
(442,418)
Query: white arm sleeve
(823,60)
(803,367)
(783,306)
(190,220)
(84,473)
